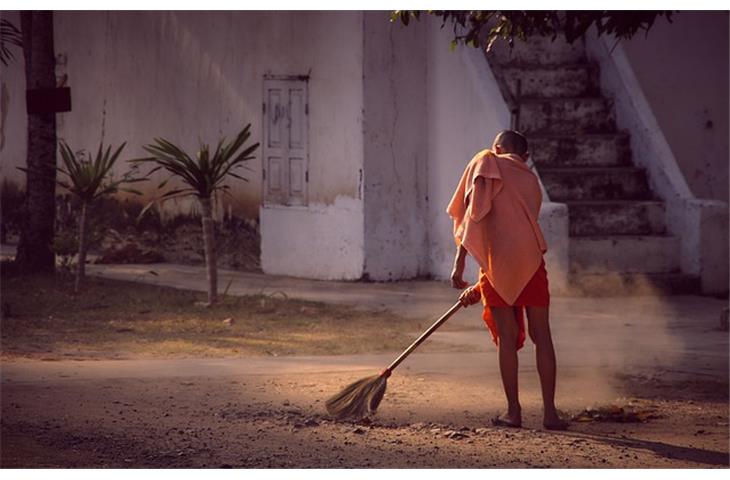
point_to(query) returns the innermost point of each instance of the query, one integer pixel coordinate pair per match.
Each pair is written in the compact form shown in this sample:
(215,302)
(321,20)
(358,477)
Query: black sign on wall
(48,100)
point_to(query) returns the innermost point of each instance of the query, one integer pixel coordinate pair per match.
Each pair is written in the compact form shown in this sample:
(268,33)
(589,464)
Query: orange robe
(495,209)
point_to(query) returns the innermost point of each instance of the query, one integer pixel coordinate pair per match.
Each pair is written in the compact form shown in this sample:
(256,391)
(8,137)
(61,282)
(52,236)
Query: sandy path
(267,412)
(664,354)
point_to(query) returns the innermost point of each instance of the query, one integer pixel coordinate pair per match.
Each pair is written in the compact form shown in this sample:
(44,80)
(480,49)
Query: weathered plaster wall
(198,75)
(395,155)
(394,118)
(461,121)
(318,241)
(682,68)
(324,239)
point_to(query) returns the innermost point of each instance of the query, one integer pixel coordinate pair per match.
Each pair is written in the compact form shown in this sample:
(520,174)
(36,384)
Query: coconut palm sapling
(201,177)
(88,180)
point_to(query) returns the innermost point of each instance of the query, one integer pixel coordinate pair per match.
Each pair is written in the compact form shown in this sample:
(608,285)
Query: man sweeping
(495,210)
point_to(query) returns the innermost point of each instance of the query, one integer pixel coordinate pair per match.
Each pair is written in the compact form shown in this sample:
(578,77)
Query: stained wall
(682,68)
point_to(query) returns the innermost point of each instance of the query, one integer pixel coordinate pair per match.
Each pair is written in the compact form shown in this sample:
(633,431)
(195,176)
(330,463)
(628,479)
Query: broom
(363,397)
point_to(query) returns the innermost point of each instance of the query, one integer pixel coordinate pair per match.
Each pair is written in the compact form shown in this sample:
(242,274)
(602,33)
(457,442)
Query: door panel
(286,156)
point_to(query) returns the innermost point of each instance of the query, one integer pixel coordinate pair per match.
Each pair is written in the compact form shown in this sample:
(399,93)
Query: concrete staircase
(618,239)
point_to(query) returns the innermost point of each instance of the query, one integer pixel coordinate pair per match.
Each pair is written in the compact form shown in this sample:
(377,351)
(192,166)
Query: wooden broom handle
(423,337)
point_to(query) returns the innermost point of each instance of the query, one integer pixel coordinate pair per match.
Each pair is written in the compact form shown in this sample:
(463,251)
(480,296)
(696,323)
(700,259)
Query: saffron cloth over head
(495,209)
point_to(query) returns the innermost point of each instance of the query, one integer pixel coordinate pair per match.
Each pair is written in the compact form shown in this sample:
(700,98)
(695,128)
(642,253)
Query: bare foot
(554,422)
(507,420)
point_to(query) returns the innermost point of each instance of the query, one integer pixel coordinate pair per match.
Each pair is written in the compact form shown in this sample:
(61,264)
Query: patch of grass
(43,318)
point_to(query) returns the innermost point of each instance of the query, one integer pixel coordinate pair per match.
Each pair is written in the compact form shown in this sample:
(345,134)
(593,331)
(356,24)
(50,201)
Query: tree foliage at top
(482,28)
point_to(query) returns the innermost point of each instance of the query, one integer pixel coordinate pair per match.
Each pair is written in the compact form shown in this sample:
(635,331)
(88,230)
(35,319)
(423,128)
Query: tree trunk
(83,245)
(35,250)
(210,255)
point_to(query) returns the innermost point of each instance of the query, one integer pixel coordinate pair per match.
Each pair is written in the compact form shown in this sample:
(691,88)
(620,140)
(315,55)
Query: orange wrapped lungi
(535,294)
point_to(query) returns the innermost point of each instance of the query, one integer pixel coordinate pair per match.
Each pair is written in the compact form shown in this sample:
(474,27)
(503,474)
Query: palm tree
(35,252)
(88,181)
(202,177)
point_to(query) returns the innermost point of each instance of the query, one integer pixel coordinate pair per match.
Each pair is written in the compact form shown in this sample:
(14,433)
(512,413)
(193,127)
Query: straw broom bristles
(362,398)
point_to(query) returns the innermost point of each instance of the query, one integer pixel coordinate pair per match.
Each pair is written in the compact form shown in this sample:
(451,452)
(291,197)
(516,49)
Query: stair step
(618,244)
(597,183)
(591,150)
(580,80)
(616,217)
(537,51)
(635,254)
(566,115)
(633,284)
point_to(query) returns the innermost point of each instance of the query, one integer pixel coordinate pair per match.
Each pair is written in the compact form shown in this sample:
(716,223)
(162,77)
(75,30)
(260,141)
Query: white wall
(682,67)
(323,240)
(426,111)
(318,241)
(462,120)
(198,75)
(394,117)
(395,156)
(187,76)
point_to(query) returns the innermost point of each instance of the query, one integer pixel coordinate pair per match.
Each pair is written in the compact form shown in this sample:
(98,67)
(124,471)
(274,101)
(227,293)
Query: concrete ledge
(705,251)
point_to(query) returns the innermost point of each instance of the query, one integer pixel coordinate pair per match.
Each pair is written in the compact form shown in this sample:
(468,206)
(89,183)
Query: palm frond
(245,155)
(130,190)
(90,178)
(9,35)
(204,172)
(238,176)
(163,198)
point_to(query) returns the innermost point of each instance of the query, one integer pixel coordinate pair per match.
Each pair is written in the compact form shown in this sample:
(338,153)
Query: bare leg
(504,317)
(539,328)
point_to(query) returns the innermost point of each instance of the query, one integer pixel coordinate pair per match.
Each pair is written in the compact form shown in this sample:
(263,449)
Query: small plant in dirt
(201,177)
(90,179)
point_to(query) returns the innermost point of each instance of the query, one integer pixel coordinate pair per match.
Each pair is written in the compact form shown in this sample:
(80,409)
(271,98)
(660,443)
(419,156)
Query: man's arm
(457,274)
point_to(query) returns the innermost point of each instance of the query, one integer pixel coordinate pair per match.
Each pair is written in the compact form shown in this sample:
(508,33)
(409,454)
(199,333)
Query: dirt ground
(75,404)
(263,421)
